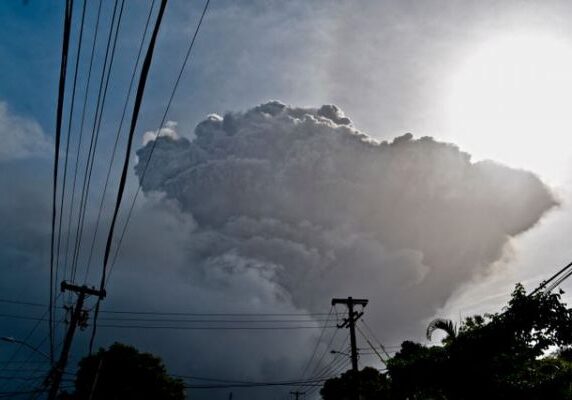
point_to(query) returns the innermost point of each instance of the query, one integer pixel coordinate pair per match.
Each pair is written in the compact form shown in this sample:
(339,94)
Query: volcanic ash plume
(300,198)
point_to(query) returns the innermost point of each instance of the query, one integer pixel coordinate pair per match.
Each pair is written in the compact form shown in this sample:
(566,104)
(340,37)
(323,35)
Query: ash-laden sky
(419,155)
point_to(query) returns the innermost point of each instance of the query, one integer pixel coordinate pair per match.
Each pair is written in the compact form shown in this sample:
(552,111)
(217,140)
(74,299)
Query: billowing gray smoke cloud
(303,200)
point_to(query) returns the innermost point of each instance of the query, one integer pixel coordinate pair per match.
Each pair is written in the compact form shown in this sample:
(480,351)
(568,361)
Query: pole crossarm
(359,302)
(92,291)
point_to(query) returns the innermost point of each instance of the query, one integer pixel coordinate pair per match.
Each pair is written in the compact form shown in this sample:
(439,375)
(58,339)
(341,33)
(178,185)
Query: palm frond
(445,325)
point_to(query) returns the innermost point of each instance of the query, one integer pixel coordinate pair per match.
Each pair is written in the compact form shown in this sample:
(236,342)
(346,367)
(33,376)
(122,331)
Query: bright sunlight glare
(511,101)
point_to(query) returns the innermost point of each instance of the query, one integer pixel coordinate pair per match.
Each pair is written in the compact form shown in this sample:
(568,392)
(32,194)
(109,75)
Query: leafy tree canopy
(496,356)
(373,386)
(122,372)
(523,352)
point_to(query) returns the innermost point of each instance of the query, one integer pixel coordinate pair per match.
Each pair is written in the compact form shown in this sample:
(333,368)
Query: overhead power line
(337,366)
(370,331)
(26,339)
(555,280)
(558,281)
(67,154)
(321,372)
(163,119)
(39,368)
(243,314)
(68,140)
(22,378)
(59,116)
(225,383)
(95,131)
(13,316)
(318,342)
(118,134)
(77,315)
(77,159)
(134,116)
(372,347)
(219,328)
(235,386)
(249,382)
(242,321)
(182,321)
(191,314)
(25,303)
(327,349)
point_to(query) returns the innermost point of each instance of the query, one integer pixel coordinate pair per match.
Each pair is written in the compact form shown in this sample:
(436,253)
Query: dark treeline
(523,352)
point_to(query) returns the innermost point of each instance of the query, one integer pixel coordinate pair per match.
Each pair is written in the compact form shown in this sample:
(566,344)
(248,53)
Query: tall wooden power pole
(297,394)
(350,322)
(55,377)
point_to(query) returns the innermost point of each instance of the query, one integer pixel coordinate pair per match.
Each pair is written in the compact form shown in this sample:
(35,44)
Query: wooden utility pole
(55,377)
(297,394)
(96,378)
(350,322)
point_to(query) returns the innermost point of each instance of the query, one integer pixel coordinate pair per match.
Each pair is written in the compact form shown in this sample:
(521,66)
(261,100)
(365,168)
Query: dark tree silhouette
(521,353)
(498,356)
(373,386)
(122,372)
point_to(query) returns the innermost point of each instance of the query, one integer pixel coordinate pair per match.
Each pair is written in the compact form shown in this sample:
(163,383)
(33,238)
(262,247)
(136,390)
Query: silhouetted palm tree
(445,325)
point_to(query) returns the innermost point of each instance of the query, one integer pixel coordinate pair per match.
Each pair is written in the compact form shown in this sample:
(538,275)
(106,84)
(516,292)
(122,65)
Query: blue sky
(32,36)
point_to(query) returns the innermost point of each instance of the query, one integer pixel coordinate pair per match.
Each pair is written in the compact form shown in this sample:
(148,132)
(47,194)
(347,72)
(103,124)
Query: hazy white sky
(491,77)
